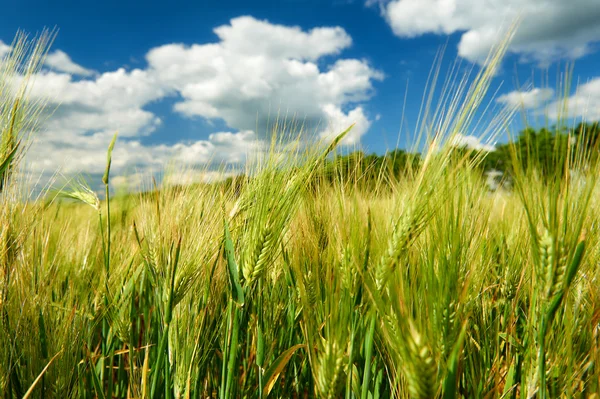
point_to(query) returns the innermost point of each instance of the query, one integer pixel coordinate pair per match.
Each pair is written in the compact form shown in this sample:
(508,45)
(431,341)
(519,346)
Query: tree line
(551,152)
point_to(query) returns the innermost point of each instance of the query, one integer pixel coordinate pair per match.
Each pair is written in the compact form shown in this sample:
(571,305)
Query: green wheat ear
(237,293)
(329,368)
(547,270)
(109,159)
(421,370)
(257,264)
(80,191)
(562,284)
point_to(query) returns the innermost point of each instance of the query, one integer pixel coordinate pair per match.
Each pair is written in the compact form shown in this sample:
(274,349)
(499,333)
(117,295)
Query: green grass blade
(451,379)
(97,383)
(7,162)
(237,293)
(39,377)
(274,371)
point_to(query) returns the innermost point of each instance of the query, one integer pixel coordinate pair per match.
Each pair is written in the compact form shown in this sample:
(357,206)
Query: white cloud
(529,99)
(259,69)
(88,153)
(78,153)
(471,143)
(84,116)
(176,175)
(249,36)
(548,29)
(118,89)
(339,121)
(131,181)
(191,176)
(584,103)
(255,70)
(222,147)
(4,49)
(61,62)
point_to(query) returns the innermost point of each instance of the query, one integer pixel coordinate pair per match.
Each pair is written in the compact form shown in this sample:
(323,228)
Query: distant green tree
(545,150)
(551,152)
(368,171)
(587,136)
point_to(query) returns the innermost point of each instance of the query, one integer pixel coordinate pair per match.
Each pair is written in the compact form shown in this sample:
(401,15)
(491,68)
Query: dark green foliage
(550,152)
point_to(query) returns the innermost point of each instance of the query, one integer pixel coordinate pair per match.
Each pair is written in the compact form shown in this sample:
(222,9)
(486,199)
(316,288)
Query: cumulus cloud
(131,181)
(584,103)
(191,176)
(88,153)
(471,143)
(548,29)
(255,70)
(260,69)
(529,99)
(339,121)
(220,148)
(279,41)
(84,115)
(182,175)
(4,49)
(61,62)
(115,90)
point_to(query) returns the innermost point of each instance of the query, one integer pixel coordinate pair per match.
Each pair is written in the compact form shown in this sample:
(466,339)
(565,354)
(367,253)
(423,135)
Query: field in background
(423,285)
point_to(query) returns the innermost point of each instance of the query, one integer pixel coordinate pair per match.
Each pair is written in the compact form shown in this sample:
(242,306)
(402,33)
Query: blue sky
(192,81)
